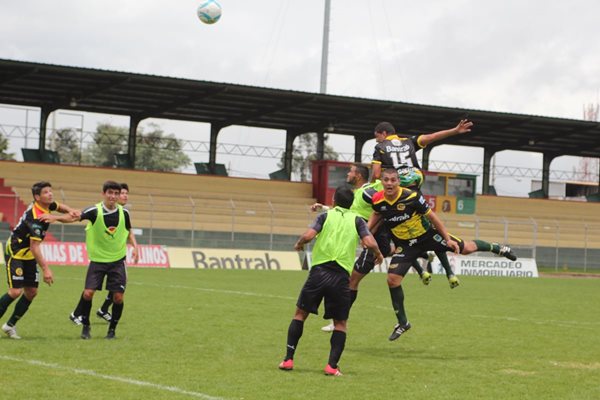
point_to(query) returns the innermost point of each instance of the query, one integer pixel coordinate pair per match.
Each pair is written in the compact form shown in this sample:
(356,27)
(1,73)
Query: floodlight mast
(325,49)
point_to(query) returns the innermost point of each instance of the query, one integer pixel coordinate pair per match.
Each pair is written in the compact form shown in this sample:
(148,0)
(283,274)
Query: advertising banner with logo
(72,253)
(181,257)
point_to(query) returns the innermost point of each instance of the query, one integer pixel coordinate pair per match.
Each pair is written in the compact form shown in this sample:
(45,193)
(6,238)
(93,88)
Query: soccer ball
(209,12)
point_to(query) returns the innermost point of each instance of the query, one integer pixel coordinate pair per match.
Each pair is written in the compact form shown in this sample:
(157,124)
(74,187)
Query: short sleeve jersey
(29,228)
(111,217)
(403,215)
(398,152)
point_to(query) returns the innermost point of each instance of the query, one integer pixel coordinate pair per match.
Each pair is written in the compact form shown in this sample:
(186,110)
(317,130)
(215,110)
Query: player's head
(382,130)
(358,174)
(344,196)
(124,194)
(111,191)
(42,192)
(389,179)
(412,179)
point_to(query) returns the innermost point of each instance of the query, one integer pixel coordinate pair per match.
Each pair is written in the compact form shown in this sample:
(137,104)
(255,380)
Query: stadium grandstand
(217,211)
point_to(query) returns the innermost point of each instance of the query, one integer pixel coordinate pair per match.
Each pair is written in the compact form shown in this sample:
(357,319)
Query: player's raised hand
(464,126)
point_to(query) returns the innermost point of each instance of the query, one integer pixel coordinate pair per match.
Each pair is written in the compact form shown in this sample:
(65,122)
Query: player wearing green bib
(337,232)
(106,236)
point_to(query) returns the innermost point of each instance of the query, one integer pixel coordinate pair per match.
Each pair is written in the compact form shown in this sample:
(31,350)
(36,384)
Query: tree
(304,152)
(66,144)
(108,141)
(154,150)
(4,155)
(157,152)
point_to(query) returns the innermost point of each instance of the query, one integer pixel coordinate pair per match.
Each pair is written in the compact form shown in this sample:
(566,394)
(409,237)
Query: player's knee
(88,294)
(15,292)
(30,293)
(118,298)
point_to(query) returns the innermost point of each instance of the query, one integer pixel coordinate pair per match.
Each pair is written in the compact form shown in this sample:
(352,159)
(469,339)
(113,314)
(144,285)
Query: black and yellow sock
(20,309)
(397,296)
(294,334)
(5,301)
(443,257)
(338,342)
(417,266)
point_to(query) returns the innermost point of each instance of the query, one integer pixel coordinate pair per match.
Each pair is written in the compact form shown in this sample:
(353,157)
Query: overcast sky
(531,57)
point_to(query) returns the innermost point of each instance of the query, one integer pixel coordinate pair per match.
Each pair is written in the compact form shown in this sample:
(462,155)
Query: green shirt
(104,245)
(338,239)
(360,205)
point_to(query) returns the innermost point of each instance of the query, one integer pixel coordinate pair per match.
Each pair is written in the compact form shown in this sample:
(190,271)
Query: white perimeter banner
(73,253)
(489,266)
(479,266)
(185,257)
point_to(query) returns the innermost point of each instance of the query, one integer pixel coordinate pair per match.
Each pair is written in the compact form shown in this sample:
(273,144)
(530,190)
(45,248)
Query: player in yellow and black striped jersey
(23,254)
(415,229)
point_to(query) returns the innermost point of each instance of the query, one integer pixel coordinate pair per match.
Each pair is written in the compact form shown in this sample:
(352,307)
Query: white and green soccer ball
(209,12)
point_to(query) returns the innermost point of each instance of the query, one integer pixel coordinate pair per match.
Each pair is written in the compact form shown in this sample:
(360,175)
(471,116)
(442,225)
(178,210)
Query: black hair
(385,127)
(344,196)
(37,187)
(124,186)
(362,171)
(390,171)
(110,185)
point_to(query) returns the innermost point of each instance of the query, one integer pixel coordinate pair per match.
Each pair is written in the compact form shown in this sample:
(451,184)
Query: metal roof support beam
(44,115)
(488,153)
(425,161)
(289,153)
(134,121)
(212,151)
(320,145)
(546,173)
(358,145)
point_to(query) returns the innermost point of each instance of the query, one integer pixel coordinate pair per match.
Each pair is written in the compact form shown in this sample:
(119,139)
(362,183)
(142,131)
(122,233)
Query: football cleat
(75,319)
(507,252)
(329,370)
(399,330)
(104,315)
(86,332)
(426,278)
(110,334)
(287,365)
(453,281)
(10,331)
(328,328)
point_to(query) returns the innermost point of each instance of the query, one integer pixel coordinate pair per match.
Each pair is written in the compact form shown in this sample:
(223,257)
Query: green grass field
(220,334)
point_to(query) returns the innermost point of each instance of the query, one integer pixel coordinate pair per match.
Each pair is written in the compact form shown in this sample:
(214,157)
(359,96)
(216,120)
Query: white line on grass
(94,374)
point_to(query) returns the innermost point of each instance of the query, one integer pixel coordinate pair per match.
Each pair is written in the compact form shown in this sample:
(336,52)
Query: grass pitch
(206,334)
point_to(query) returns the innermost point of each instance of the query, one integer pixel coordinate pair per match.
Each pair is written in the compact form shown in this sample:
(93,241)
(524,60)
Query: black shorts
(21,273)
(116,276)
(329,281)
(366,260)
(409,250)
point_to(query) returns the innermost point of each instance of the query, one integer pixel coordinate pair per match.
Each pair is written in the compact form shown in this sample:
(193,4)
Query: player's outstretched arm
(305,238)
(374,222)
(375,171)
(65,209)
(64,218)
(464,126)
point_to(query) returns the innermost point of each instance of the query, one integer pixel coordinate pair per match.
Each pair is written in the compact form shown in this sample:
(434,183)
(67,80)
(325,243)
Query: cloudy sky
(531,57)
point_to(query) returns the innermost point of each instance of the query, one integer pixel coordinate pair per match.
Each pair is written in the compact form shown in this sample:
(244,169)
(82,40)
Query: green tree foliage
(155,151)
(108,141)
(305,151)
(4,155)
(67,144)
(159,152)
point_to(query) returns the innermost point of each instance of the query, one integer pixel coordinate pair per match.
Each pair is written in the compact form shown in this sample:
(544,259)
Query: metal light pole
(325,50)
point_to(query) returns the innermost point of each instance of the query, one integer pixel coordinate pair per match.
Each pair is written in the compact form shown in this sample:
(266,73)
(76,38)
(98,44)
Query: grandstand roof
(223,104)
